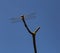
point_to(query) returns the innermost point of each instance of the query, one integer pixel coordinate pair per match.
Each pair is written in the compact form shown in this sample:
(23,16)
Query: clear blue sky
(14,38)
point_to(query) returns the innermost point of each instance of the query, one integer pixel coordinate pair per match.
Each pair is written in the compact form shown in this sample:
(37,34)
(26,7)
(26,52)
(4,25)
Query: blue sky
(14,38)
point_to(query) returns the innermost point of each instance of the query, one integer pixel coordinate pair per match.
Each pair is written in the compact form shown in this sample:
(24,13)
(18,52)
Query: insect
(26,16)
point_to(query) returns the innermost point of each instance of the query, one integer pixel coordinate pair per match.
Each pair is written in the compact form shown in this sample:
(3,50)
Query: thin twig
(34,44)
(32,33)
(26,25)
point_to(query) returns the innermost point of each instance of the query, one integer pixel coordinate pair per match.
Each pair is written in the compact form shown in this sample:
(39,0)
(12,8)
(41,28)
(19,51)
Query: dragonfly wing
(14,20)
(30,16)
(26,16)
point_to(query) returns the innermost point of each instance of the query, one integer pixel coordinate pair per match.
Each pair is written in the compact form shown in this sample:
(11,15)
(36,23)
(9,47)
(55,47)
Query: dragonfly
(26,16)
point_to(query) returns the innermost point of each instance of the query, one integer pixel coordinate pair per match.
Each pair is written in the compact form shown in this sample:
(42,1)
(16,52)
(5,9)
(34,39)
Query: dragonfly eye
(22,17)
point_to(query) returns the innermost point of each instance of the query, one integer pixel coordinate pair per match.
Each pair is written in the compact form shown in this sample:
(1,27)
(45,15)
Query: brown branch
(32,33)
(36,30)
(34,44)
(26,25)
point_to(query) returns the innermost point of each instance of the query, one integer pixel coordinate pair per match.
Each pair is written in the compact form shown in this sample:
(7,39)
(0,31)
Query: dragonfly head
(22,17)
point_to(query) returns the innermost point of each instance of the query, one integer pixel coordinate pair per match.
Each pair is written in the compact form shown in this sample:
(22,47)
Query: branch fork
(32,33)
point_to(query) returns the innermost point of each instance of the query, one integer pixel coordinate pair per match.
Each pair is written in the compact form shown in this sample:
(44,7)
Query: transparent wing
(15,19)
(30,16)
(26,16)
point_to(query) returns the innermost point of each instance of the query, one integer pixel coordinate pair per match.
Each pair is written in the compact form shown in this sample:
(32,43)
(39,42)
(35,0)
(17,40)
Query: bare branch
(26,25)
(34,44)
(36,30)
(32,33)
